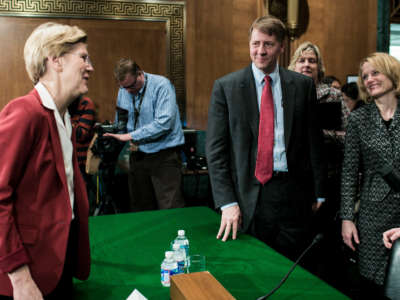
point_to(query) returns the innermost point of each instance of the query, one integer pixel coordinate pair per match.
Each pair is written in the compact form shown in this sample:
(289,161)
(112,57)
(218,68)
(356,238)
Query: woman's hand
(23,285)
(349,233)
(390,236)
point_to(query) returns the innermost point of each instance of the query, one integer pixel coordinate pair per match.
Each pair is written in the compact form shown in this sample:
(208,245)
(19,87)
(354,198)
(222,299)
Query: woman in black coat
(372,147)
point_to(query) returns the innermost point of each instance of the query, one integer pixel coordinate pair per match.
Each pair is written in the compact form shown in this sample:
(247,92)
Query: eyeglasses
(84,57)
(132,86)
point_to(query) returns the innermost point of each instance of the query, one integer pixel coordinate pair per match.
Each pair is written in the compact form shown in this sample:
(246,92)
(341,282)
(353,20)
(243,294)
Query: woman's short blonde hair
(384,64)
(305,47)
(49,40)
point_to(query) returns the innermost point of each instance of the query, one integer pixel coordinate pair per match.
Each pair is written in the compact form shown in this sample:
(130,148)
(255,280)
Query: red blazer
(35,210)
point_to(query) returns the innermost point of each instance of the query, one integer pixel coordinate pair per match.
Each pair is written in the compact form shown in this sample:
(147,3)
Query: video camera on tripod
(108,150)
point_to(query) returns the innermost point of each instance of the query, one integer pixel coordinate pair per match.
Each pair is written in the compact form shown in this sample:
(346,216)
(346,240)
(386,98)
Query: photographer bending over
(155,133)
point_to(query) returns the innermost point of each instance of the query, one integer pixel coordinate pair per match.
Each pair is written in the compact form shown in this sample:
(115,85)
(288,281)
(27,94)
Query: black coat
(369,146)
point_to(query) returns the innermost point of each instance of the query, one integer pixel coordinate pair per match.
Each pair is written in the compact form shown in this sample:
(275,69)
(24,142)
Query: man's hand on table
(231,219)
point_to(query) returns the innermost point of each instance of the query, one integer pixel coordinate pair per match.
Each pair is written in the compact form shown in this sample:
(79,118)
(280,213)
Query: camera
(103,144)
(108,148)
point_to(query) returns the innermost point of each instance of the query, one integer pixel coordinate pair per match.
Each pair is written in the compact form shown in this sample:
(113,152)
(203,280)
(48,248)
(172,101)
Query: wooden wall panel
(345,31)
(216,44)
(13,34)
(108,40)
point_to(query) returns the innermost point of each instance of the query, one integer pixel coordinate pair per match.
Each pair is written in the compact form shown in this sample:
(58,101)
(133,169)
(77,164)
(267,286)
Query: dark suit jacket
(232,137)
(35,209)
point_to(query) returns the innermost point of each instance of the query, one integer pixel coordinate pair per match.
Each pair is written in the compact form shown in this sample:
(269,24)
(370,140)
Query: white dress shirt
(64,128)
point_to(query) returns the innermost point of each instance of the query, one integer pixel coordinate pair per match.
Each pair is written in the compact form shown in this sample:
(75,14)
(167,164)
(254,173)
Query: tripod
(105,204)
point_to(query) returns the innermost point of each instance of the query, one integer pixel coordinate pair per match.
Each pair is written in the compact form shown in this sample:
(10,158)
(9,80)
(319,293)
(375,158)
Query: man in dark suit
(279,210)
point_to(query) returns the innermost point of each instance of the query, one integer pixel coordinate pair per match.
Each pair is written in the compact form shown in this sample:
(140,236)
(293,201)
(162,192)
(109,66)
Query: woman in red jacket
(43,204)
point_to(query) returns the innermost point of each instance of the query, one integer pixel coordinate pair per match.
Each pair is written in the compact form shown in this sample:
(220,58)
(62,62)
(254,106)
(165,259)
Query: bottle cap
(169,254)
(175,246)
(181,232)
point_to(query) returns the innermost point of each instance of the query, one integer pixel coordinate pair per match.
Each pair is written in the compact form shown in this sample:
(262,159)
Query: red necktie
(264,163)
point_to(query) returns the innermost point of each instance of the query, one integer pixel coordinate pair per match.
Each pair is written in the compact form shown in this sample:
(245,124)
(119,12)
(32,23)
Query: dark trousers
(370,290)
(155,180)
(283,215)
(64,289)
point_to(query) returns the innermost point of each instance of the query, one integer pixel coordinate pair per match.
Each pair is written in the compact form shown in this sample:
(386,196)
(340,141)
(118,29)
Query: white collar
(259,74)
(45,97)
(48,101)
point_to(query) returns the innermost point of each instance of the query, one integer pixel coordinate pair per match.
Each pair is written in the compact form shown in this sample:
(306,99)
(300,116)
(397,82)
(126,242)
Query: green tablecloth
(127,250)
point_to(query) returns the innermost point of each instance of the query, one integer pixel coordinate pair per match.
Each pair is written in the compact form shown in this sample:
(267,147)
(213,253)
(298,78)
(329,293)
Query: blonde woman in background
(307,60)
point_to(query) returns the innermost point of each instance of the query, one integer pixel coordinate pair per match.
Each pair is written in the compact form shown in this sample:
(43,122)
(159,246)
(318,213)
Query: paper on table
(136,295)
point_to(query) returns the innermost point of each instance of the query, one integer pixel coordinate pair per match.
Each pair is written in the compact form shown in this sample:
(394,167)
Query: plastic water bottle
(169,267)
(180,257)
(182,241)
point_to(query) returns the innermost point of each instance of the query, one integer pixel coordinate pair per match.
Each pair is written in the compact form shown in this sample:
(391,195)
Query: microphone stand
(316,240)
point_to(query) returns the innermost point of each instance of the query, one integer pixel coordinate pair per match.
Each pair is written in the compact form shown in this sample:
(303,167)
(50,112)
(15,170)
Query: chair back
(392,282)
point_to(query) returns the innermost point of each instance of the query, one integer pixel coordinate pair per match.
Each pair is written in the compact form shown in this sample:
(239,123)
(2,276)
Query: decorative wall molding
(171,12)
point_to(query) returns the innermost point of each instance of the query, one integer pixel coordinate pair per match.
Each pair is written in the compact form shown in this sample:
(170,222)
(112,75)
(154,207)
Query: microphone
(316,240)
